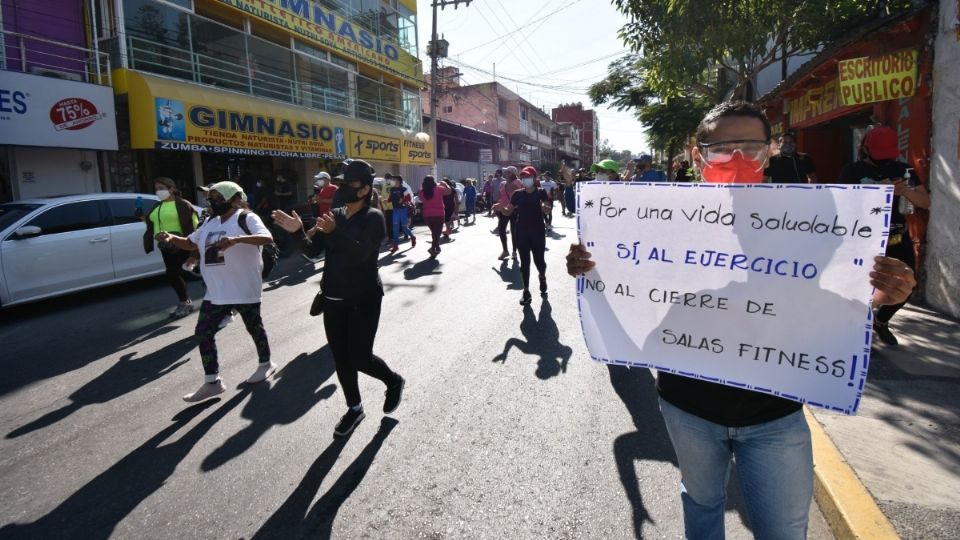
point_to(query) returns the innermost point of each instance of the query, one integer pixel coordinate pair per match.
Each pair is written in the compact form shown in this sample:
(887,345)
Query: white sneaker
(227,320)
(262,373)
(206,391)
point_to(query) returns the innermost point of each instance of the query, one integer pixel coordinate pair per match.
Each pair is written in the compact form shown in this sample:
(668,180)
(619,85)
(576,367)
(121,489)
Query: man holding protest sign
(709,423)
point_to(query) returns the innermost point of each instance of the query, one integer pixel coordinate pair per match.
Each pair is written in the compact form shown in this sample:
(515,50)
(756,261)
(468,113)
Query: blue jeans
(399,222)
(774,465)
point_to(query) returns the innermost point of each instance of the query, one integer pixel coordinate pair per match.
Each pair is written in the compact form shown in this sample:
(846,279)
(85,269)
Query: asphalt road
(507,428)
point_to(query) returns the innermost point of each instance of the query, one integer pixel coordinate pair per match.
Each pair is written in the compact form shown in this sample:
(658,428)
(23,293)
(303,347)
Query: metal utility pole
(437,49)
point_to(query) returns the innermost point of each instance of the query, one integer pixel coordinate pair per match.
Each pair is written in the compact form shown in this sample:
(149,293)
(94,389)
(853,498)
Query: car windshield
(11,212)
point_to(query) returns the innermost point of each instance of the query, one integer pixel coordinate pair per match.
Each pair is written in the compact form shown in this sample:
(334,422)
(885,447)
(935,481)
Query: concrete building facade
(586,122)
(491,107)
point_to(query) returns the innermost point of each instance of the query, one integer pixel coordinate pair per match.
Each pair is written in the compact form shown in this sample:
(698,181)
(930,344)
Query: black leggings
(173,261)
(531,243)
(502,222)
(904,252)
(435,224)
(351,328)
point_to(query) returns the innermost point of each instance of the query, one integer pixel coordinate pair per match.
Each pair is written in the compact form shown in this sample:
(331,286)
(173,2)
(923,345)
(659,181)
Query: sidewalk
(904,445)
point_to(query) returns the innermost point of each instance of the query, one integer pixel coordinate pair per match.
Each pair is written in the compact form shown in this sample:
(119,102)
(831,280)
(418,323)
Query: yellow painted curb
(846,504)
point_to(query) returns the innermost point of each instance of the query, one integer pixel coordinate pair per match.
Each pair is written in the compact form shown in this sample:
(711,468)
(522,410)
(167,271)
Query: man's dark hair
(732,108)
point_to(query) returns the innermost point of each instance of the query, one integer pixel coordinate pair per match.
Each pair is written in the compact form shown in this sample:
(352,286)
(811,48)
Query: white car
(59,245)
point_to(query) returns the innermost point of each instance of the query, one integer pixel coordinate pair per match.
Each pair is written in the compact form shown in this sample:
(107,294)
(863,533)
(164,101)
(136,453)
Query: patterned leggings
(208,324)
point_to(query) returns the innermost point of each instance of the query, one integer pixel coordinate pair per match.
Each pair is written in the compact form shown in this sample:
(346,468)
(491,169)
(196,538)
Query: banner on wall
(815,102)
(763,287)
(41,111)
(316,24)
(869,79)
(372,147)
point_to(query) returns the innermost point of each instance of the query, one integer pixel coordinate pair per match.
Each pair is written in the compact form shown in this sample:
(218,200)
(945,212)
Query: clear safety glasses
(722,151)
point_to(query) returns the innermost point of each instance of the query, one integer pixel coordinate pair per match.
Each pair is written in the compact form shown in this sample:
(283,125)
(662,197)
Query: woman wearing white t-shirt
(230,264)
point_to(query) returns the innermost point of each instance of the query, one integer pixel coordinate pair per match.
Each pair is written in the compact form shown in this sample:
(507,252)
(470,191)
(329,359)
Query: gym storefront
(198,135)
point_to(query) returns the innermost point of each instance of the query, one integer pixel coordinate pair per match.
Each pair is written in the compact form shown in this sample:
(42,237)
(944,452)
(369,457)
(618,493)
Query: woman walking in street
(529,230)
(351,290)
(231,265)
(431,196)
(469,201)
(505,215)
(174,215)
(451,206)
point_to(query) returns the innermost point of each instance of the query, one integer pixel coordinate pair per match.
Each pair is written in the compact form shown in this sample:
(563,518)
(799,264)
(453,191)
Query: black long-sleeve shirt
(351,270)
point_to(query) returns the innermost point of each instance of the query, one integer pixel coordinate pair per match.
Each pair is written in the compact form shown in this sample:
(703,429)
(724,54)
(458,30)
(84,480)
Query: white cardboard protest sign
(758,286)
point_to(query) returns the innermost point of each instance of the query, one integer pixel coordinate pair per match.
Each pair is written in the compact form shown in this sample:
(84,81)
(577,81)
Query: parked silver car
(59,245)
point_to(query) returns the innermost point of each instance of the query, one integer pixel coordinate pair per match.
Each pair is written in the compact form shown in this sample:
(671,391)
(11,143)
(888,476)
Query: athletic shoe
(884,333)
(206,391)
(183,309)
(504,255)
(392,396)
(227,320)
(413,241)
(543,286)
(527,298)
(262,373)
(394,248)
(348,423)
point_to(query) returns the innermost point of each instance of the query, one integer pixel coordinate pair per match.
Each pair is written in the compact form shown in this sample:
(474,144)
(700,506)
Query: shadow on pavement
(636,388)
(421,269)
(128,374)
(542,338)
(292,270)
(296,519)
(295,390)
(95,509)
(510,274)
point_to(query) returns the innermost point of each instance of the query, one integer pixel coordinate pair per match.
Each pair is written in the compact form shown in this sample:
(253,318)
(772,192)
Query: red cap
(881,143)
(528,171)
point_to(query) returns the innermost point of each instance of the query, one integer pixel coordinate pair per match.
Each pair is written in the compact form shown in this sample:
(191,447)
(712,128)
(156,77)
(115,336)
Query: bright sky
(557,48)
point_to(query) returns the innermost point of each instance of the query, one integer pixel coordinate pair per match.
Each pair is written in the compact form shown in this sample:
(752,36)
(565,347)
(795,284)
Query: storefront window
(407,32)
(271,69)
(221,55)
(158,38)
(323,86)
(368,99)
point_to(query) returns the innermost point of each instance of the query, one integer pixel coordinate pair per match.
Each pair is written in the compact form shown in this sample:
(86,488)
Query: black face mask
(220,208)
(349,194)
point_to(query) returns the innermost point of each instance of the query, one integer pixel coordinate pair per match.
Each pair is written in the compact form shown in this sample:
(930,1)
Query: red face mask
(738,170)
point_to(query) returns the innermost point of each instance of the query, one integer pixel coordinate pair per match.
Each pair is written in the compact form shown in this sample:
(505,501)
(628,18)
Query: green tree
(691,47)
(668,120)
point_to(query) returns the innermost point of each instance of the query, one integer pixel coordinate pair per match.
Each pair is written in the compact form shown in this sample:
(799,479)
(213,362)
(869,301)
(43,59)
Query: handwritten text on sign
(762,287)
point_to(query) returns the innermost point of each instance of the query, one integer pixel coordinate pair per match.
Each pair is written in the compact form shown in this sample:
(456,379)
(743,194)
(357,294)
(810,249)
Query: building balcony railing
(51,58)
(279,81)
(518,156)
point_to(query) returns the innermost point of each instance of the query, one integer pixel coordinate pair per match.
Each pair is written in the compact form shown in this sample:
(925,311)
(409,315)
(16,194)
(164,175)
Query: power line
(548,15)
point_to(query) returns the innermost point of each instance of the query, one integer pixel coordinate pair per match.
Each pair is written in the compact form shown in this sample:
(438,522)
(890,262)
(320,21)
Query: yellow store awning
(166,114)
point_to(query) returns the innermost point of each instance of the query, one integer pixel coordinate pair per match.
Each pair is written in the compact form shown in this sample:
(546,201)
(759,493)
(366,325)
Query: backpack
(269,254)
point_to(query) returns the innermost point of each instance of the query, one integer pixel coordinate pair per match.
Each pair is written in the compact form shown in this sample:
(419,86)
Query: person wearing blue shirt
(645,171)
(469,200)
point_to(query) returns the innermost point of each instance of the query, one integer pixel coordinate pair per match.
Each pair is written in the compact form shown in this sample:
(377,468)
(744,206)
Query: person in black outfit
(878,164)
(790,166)
(351,289)
(683,172)
(529,230)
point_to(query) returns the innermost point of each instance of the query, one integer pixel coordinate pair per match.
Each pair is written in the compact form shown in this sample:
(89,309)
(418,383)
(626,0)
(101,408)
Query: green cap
(228,190)
(607,165)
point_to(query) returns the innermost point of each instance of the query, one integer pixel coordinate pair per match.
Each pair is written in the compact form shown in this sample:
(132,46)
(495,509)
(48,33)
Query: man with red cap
(529,230)
(878,164)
